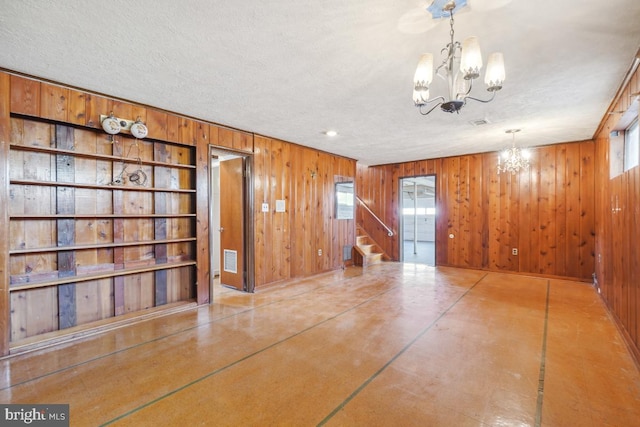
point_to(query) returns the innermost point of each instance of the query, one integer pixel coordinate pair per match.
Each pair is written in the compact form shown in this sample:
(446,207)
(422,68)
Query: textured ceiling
(292,70)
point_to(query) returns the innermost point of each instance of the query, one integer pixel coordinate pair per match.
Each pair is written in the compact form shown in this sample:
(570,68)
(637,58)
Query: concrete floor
(392,345)
(425,253)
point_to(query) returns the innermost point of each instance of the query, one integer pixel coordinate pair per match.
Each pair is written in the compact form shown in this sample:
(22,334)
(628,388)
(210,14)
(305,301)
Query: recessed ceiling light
(331,133)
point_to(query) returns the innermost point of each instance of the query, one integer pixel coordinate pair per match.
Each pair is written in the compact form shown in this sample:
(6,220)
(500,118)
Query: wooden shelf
(48,339)
(100,187)
(147,233)
(99,216)
(51,150)
(99,276)
(99,246)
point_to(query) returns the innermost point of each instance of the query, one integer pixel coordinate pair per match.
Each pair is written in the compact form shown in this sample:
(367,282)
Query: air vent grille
(479,122)
(230,261)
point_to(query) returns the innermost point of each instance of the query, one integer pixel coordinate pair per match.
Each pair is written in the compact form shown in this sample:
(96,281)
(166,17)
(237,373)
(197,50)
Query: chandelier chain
(451,31)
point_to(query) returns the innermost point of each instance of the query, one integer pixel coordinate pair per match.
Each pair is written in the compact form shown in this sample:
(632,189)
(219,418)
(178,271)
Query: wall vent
(346,252)
(230,261)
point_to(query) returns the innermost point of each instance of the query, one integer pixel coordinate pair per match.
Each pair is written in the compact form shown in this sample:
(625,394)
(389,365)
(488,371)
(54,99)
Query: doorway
(231,235)
(418,220)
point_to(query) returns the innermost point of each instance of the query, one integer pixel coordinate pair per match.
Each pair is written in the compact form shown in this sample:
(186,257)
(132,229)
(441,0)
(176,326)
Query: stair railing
(364,205)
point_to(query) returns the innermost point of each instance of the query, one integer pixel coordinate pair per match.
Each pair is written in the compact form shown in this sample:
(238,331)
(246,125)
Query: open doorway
(418,220)
(231,220)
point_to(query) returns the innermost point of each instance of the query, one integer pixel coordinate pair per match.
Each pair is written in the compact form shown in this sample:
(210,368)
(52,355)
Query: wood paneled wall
(546,212)
(618,227)
(287,243)
(31,97)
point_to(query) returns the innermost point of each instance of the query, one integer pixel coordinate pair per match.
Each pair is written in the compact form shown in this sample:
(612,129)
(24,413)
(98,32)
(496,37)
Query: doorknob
(221,229)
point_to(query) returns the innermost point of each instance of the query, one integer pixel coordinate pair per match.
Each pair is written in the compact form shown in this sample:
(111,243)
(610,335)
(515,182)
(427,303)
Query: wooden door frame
(248,216)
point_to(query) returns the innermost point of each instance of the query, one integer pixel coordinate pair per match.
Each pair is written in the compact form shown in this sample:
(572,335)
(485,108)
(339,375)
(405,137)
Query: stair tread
(369,251)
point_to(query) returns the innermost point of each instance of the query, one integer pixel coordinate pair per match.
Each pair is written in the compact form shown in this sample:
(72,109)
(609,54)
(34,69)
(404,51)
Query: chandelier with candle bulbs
(512,159)
(459,68)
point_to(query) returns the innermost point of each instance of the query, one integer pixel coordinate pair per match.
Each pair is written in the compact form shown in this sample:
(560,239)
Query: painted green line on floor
(543,357)
(248,356)
(393,359)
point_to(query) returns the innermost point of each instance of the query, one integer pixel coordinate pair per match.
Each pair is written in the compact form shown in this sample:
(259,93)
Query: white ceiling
(291,70)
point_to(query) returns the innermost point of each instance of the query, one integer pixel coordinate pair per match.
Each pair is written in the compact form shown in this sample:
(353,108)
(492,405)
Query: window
(344,200)
(631,146)
(419,211)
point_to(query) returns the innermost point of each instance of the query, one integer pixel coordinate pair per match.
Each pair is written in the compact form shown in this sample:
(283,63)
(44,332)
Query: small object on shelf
(139,130)
(111,125)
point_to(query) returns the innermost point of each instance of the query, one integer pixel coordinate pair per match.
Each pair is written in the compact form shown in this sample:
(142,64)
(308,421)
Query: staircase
(366,251)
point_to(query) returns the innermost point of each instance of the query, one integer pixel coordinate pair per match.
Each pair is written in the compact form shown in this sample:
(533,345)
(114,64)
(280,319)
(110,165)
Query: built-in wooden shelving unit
(100,226)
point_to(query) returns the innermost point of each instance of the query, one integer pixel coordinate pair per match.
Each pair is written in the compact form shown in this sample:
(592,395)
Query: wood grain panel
(157,124)
(463,237)
(5,135)
(441,213)
(634,277)
(161,179)
(496,233)
(587,209)
(54,102)
(203,252)
(561,209)
(173,128)
(391,208)
(77,107)
(475,218)
(225,137)
(488,163)
(452,166)
(214,135)
(187,131)
(279,182)
(546,205)
(94,107)
(534,192)
(138,292)
(572,207)
(94,300)
(25,96)
(260,193)
(65,204)
(36,312)
(243,141)
(514,222)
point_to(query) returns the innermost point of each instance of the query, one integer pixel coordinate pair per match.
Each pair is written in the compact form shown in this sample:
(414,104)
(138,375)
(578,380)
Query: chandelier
(459,68)
(513,159)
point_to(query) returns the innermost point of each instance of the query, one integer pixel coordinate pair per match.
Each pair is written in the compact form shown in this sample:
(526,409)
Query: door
(232,223)
(418,219)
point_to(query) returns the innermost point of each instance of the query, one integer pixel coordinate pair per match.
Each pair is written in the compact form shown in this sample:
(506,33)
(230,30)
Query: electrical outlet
(319,252)
(514,251)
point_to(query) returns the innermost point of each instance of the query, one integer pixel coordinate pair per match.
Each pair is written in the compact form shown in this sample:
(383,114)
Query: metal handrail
(389,230)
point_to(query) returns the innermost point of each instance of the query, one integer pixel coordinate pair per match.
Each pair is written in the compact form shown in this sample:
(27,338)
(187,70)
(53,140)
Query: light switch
(265,207)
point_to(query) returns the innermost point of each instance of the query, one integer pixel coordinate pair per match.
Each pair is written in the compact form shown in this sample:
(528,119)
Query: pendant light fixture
(513,159)
(461,65)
